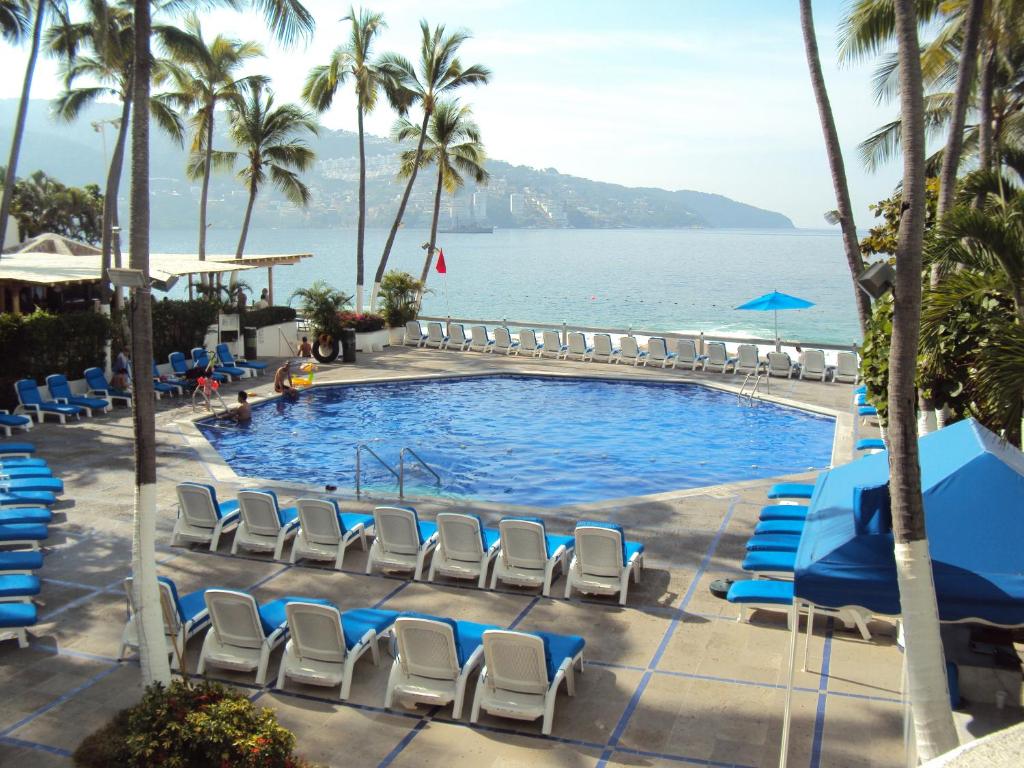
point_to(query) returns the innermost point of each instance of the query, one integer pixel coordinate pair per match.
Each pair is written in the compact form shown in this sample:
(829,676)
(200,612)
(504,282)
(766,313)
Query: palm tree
(352,60)
(851,245)
(926,670)
(440,73)
(267,138)
(453,145)
(13,19)
(206,75)
(288,19)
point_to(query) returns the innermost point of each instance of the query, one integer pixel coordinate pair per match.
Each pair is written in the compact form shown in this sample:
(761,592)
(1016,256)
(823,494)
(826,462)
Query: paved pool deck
(670,679)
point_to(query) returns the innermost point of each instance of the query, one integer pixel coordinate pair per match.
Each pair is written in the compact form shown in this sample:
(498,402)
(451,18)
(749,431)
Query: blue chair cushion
(23,532)
(785,527)
(355,623)
(254,364)
(9,420)
(860,399)
(14,615)
(21,461)
(773,542)
(770,562)
(88,402)
(468,637)
(21,473)
(784,512)
(349,520)
(21,561)
(51,484)
(230,369)
(870,444)
(18,585)
(863,388)
(17,448)
(867,410)
(22,498)
(161,386)
(554,542)
(761,591)
(273,616)
(791,491)
(491,537)
(288,516)
(558,648)
(67,410)
(37,515)
(633,548)
(426,530)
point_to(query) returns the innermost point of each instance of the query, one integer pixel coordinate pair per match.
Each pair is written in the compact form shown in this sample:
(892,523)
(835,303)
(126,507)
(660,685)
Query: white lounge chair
(578,346)
(847,368)
(435,336)
(465,548)
(686,354)
(528,343)
(435,660)
(414,335)
(244,634)
(265,527)
(718,357)
(503,341)
(325,532)
(325,644)
(15,619)
(523,672)
(553,345)
(630,352)
(657,351)
(185,616)
(479,341)
(400,541)
(812,364)
(528,555)
(604,351)
(201,518)
(780,364)
(457,338)
(10,422)
(747,360)
(603,561)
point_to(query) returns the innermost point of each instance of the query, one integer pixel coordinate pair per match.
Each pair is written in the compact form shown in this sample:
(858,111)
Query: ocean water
(525,440)
(662,280)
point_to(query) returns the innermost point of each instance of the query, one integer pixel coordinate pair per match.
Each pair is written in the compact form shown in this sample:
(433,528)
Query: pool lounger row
(596,559)
(434,661)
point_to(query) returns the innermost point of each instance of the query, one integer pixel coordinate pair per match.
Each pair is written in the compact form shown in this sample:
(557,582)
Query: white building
(517,204)
(479,206)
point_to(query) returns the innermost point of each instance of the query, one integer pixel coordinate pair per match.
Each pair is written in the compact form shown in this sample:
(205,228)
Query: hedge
(260,318)
(178,326)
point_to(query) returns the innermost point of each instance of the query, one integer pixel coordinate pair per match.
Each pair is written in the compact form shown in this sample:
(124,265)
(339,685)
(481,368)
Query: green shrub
(365,322)
(178,326)
(191,727)
(321,305)
(260,318)
(874,357)
(399,294)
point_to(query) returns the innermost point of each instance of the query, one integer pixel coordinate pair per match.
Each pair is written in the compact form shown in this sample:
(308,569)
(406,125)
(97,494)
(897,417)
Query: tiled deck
(670,679)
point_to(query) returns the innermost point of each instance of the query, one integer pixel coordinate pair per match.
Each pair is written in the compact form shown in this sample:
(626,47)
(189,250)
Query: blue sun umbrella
(773,302)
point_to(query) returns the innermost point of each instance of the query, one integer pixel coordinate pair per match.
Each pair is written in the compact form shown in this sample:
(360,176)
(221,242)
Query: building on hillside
(517,204)
(479,206)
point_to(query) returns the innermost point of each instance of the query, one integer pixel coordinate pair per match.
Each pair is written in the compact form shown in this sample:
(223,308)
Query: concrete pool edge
(221,471)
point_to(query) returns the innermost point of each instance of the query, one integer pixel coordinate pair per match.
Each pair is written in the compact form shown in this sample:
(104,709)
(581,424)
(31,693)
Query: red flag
(442,268)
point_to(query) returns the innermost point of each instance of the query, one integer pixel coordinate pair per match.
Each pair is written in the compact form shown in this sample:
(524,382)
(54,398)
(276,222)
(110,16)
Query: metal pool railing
(399,474)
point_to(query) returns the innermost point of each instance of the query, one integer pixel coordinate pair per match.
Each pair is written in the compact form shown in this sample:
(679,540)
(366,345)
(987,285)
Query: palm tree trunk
(401,211)
(204,196)
(146,595)
(988,82)
(433,237)
(835,160)
(926,669)
(361,234)
(113,188)
(245,222)
(19,124)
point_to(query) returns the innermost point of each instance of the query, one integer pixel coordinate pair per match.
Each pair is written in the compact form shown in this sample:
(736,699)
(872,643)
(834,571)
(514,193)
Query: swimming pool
(525,440)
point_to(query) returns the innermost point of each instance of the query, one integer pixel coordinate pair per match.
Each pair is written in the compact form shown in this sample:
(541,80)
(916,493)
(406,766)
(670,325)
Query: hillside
(517,196)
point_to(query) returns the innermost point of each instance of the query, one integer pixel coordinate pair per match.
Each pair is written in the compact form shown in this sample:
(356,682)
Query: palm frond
(290,185)
(70,103)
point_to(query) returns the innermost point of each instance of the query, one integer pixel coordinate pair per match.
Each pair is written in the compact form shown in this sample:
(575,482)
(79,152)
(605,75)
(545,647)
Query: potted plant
(370,328)
(320,305)
(399,302)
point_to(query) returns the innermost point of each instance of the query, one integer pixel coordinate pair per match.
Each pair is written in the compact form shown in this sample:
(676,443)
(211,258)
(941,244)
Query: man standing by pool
(283,382)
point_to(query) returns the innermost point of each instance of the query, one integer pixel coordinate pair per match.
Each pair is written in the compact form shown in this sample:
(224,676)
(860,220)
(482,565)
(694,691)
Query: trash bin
(348,345)
(249,343)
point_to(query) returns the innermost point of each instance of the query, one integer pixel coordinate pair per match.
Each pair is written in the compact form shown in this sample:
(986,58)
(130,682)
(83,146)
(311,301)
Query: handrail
(359,452)
(698,336)
(753,390)
(401,469)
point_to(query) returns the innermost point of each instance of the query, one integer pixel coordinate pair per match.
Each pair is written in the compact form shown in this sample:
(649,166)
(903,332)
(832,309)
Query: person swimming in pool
(241,413)
(283,382)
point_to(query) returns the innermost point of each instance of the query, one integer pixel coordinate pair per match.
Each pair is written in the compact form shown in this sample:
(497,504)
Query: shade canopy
(775,301)
(973,489)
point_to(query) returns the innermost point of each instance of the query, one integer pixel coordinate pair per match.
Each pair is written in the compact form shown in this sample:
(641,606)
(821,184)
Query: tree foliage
(881,238)
(43,204)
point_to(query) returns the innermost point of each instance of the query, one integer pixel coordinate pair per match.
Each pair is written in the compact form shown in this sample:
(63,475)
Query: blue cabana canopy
(973,487)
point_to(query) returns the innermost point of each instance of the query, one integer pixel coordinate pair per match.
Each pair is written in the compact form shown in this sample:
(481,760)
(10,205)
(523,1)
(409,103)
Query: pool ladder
(398,473)
(758,376)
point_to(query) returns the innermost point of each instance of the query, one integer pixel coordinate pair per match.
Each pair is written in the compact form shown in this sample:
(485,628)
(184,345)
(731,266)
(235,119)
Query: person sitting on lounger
(305,348)
(241,413)
(122,369)
(283,382)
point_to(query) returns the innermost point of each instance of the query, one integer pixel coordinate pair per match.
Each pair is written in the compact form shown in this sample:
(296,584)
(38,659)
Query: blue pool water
(525,440)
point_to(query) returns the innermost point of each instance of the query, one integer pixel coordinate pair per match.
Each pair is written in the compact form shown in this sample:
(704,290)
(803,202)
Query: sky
(677,94)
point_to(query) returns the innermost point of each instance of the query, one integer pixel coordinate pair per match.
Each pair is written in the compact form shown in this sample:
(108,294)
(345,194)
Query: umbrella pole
(794,634)
(778,344)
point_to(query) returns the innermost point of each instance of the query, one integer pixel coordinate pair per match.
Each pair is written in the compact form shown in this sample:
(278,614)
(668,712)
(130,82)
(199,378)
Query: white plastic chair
(686,354)
(325,644)
(201,518)
(265,527)
(847,368)
(479,341)
(528,555)
(184,617)
(414,335)
(400,541)
(630,352)
(435,660)
(603,348)
(747,360)
(457,338)
(718,357)
(435,336)
(528,343)
(578,346)
(465,548)
(325,532)
(517,680)
(603,561)
(553,345)
(780,364)
(657,351)
(503,341)
(812,364)
(243,634)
